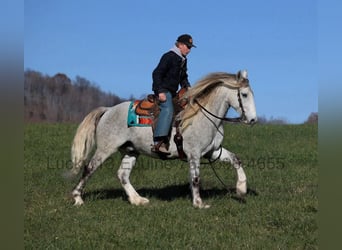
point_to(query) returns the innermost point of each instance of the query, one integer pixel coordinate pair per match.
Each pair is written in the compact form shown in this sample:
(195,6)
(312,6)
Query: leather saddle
(150,105)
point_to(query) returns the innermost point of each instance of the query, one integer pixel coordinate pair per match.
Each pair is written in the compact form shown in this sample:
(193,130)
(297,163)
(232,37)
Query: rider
(167,76)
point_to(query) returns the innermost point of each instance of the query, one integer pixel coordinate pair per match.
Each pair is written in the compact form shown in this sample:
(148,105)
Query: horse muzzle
(252,122)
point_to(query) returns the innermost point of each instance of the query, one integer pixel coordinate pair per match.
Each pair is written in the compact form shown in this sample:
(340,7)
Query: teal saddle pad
(134,120)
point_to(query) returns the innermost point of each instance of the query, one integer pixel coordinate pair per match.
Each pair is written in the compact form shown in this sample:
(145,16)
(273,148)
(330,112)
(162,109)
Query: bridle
(228,119)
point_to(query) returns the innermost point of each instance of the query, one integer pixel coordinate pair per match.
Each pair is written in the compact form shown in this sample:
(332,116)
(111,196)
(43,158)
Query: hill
(59,99)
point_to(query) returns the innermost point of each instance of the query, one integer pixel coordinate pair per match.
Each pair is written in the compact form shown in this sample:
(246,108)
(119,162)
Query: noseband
(227,119)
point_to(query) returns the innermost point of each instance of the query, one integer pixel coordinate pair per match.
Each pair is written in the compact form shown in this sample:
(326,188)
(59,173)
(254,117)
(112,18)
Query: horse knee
(227,156)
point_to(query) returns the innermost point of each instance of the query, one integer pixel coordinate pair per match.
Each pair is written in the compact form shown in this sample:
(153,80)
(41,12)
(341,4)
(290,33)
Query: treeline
(312,119)
(59,99)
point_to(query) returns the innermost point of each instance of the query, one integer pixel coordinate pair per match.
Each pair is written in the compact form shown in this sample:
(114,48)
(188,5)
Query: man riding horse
(167,76)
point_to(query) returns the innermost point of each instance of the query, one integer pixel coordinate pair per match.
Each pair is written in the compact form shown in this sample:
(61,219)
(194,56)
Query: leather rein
(227,119)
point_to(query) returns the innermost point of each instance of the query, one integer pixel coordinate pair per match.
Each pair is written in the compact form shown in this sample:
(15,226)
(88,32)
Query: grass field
(281,164)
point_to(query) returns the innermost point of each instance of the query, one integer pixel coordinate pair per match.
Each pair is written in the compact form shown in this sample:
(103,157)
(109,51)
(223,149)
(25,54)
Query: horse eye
(244,95)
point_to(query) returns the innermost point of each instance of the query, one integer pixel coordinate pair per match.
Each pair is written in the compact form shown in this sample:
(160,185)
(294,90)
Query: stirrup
(160,148)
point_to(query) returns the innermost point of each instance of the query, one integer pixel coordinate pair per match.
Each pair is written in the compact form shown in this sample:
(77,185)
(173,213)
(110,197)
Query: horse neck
(219,104)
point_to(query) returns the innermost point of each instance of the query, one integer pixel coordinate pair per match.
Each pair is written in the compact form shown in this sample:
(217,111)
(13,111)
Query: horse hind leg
(88,171)
(127,163)
(224,155)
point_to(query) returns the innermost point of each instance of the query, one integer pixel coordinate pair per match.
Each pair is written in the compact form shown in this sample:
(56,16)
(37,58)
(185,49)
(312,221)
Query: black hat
(186,39)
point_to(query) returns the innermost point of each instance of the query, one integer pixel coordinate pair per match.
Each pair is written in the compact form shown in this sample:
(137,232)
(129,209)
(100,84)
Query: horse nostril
(252,121)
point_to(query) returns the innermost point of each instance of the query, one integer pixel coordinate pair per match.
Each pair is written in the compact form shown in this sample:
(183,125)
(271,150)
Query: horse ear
(241,75)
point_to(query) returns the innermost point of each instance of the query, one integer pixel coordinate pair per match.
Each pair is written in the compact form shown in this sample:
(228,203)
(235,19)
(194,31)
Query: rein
(227,119)
(211,163)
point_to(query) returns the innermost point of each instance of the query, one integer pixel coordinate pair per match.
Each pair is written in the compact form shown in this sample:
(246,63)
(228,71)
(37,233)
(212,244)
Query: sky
(117,44)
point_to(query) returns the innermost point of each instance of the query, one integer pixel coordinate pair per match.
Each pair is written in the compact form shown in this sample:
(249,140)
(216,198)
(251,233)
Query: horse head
(243,100)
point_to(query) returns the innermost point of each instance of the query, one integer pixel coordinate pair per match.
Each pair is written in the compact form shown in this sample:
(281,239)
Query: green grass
(281,165)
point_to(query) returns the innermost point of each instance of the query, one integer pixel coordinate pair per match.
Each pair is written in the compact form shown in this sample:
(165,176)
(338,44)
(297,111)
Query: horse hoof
(78,201)
(202,205)
(141,201)
(144,201)
(205,206)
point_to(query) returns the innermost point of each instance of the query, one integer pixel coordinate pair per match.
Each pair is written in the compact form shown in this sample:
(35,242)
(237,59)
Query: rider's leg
(163,125)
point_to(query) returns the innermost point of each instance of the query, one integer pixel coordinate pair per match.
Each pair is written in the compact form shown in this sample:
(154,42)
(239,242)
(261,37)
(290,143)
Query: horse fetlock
(196,181)
(76,195)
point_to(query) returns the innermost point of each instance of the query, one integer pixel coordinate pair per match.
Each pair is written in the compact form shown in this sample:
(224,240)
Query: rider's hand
(162,97)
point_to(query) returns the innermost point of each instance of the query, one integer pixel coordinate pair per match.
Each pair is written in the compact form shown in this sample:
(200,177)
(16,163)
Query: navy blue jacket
(170,73)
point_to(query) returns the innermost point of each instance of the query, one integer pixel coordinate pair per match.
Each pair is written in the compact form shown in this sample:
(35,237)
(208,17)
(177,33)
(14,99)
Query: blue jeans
(165,117)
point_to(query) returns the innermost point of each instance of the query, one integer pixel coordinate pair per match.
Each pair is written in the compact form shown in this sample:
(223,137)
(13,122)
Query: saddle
(148,112)
(148,108)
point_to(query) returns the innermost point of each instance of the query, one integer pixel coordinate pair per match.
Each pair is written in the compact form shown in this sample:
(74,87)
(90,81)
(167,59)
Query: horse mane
(205,90)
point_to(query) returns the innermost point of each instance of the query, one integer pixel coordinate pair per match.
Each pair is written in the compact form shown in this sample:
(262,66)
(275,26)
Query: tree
(312,119)
(271,120)
(59,99)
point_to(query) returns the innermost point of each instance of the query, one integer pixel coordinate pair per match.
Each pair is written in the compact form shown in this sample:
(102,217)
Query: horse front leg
(195,183)
(224,155)
(127,163)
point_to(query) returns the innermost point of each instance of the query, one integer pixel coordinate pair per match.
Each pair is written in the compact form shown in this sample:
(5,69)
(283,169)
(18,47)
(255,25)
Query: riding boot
(161,148)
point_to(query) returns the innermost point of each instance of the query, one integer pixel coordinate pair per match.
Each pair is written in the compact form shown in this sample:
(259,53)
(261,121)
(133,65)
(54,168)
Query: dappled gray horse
(201,126)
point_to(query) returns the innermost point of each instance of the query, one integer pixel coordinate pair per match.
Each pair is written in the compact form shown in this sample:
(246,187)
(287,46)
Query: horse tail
(84,140)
